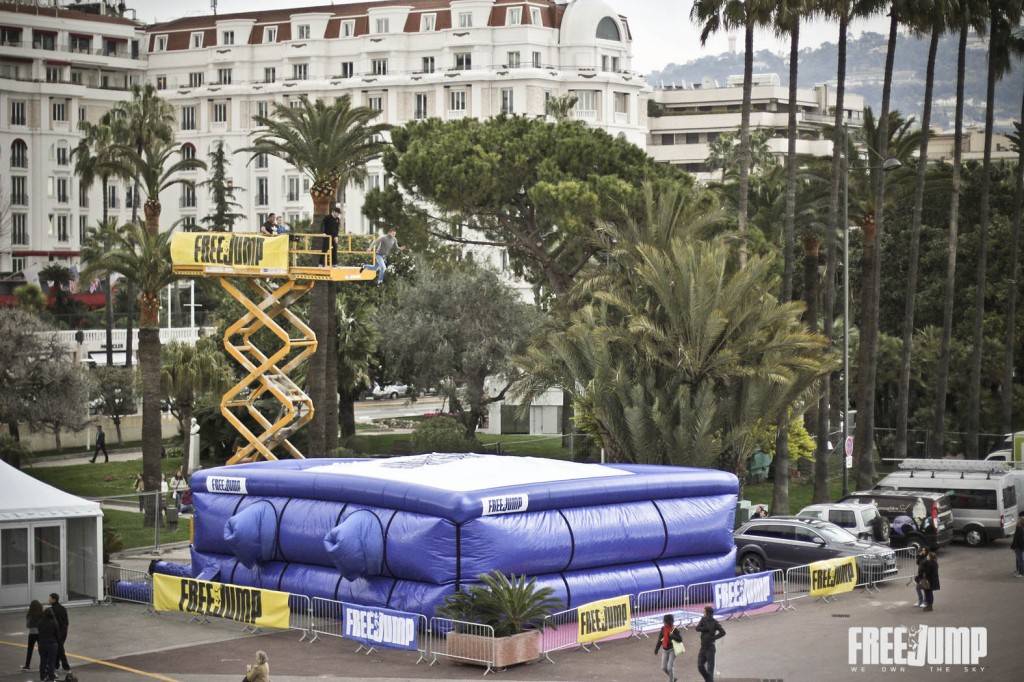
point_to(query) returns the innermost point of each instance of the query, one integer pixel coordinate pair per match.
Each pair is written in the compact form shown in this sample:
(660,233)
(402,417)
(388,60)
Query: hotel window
(269,74)
(294,103)
(420,110)
(188,118)
(61,153)
(19,229)
(513,60)
(270,34)
(514,16)
(63,233)
(379,67)
(60,112)
(224,76)
(44,41)
(302,32)
(348,28)
(293,189)
(195,79)
(262,191)
(300,72)
(17,263)
(227,37)
(465,20)
(604,62)
(83,228)
(621,103)
(188,223)
(463,61)
(112,196)
(83,196)
(586,100)
(457,100)
(220,112)
(507,103)
(131,196)
(63,196)
(196,40)
(188,195)
(161,82)
(263,108)
(536,60)
(19,154)
(428,65)
(348,69)
(615,64)
(382,25)
(375,103)
(428,22)
(160,44)
(76,77)
(53,74)
(692,138)
(535,16)
(262,161)
(19,195)
(17,113)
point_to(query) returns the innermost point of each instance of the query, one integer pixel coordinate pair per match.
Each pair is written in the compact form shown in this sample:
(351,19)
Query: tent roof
(26,498)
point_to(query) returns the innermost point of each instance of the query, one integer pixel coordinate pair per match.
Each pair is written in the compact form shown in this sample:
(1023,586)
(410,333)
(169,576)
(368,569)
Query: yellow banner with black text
(228,252)
(601,619)
(833,576)
(250,605)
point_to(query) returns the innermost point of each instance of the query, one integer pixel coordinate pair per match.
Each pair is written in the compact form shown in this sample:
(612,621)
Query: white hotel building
(410,59)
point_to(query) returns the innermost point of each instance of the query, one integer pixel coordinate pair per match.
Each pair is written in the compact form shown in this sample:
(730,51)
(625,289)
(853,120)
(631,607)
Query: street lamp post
(889,164)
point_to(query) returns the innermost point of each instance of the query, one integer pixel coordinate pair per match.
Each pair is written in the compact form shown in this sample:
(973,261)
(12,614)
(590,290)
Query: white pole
(169,305)
(192,306)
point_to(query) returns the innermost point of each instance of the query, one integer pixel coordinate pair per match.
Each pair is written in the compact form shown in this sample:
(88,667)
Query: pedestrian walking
(177,486)
(1017,545)
(928,579)
(49,645)
(61,615)
(101,444)
(670,644)
(140,488)
(33,617)
(381,248)
(922,556)
(260,672)
(710,632)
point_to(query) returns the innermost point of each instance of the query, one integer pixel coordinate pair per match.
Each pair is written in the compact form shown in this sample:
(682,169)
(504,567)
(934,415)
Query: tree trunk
(812,255)
(129,337)
(117,429)
(109,319)
(347,413)
(1011,302)
(748,75)
(319,321)
(185,426)
(903,399)
(835,215)
(149,367)
(937,440)
(871,291)
(978,340)
(56,439)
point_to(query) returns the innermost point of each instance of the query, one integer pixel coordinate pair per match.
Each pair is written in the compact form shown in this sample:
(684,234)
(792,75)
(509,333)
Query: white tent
(50,541)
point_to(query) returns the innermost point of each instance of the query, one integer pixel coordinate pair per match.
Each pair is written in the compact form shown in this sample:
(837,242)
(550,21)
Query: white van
(983,494)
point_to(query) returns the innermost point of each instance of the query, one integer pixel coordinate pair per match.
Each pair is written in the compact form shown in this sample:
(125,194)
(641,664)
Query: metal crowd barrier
(127,584)
(559,631)
(301,616)
(906,566)
(462,641)
(699,595)
(327,618)
(651,606)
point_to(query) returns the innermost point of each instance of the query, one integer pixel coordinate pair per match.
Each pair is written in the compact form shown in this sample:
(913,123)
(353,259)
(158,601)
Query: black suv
(908,528)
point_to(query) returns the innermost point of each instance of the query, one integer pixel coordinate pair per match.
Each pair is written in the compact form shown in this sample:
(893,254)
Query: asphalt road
(809,643)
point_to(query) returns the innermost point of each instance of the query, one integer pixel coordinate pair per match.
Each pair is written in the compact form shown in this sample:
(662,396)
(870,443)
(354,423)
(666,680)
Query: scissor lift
(267,293)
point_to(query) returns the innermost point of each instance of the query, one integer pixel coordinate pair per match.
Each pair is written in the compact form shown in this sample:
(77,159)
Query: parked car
(916,519)
(861,519)
(389,392)
(781,542)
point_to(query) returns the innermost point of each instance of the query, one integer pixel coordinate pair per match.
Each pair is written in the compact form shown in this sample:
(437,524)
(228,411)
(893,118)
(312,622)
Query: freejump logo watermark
(901,648)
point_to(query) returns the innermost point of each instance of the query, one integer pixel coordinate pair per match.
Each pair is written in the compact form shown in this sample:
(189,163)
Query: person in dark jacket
(928,579)
(669,633)
(49,643)
(61,614)
(101,444)
(32,618)
(710,632)
(331,227)
(1017,545)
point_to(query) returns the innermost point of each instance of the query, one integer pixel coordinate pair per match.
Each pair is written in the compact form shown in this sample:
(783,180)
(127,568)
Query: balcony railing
(584,114)
(455,114)
(115,52)
(19,199)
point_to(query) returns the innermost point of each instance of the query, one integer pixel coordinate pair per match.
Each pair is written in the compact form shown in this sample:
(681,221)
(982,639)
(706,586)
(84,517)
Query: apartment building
(57,67)
(689,117)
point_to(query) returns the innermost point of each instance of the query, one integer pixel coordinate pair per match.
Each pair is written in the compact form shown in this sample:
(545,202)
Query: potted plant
(514,606)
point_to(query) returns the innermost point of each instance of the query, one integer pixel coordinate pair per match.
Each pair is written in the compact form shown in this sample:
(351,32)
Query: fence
(130,525)
(128,585)
(651,606)
(560,631)
(327,618)
(699,595)
(462,641)
(901,564)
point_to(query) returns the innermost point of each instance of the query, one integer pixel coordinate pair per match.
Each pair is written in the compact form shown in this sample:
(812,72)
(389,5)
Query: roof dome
(586,21)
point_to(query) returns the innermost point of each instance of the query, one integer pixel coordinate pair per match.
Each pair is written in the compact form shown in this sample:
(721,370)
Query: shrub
(442,434)
(13,452)
(510,605)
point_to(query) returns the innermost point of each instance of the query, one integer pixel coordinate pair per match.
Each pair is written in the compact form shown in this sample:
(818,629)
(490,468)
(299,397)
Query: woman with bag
(922,555)
(32,618)
(928,579)
(670,644)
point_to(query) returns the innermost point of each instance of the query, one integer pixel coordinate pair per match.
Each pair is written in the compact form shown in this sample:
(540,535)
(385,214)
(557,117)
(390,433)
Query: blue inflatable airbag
(356,545)
(252,533)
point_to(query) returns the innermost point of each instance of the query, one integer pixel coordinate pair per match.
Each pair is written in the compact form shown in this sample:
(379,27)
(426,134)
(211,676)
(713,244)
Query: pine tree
(222,193)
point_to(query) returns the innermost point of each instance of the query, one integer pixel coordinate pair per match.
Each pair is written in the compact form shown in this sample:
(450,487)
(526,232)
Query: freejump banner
(229,252)
(375,627)
(743,593)
(250,605)
(833,576)
(600,619)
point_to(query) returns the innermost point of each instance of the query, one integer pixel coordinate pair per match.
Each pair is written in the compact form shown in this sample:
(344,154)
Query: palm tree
(713,16)
(188,371)
(1004,16)
(933,20)
(143,258)
(1011,305)
(95,158)
(99,240)
(331,143)
(156,168)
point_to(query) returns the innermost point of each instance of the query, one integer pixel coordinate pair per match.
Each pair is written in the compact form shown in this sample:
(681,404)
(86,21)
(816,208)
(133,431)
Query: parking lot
(124,642)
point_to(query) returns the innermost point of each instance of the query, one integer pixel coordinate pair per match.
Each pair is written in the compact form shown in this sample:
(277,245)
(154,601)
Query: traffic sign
(849,446)
(849,461)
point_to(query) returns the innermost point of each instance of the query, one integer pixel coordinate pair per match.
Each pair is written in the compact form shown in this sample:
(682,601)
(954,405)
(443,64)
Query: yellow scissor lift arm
(254,262)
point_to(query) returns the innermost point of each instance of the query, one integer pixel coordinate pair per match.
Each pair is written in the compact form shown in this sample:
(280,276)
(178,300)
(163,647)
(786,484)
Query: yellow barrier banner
(833,576)
(227,252)
(600,619)
(250,605)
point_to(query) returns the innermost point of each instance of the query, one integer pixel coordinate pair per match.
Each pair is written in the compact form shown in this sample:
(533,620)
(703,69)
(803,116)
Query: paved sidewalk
(72,460)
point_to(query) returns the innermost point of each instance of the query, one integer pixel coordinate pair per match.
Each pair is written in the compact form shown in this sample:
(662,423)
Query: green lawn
(128,525)
(800,493)
(98,480)
(510,444)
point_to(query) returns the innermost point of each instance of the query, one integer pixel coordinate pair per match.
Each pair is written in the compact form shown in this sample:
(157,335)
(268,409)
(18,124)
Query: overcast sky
(662,31)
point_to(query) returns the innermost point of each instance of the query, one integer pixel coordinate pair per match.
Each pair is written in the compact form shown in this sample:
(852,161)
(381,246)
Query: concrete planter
(475,649)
